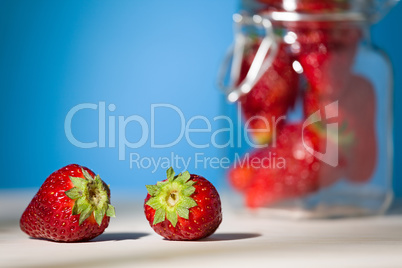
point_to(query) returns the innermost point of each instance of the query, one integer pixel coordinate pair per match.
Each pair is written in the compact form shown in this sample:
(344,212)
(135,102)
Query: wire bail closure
(263,59)
(268,48)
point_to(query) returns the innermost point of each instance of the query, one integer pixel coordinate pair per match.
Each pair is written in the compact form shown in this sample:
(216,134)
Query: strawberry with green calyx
(183,207)
(91,197)
(72,205)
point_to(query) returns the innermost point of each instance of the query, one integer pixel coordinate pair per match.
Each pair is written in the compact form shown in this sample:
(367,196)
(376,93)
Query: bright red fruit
(363,156)
(297,176)
(284,170)
(241,174)
(240,177)
(183,207)
(272,96)
(71,205)
(327,56)
(356,121)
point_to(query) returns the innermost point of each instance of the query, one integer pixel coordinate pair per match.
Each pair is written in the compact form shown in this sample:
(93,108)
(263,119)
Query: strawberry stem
(91,197)
(172,198)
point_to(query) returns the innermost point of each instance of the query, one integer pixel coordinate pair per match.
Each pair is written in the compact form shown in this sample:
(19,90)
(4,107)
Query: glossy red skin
(49,215)
(272,96)
(356,106)
(203,220)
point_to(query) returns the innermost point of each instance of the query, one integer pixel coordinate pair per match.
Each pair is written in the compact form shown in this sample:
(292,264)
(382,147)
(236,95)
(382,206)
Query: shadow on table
(118,237)
(103,237)
(230,236)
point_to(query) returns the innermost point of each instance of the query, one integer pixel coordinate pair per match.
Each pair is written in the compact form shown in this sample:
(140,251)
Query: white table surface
(241,241)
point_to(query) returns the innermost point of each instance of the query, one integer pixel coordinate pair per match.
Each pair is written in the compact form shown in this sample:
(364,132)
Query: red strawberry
(241,174)
(327,56)
(252,171)
(327,108)
(240,177)
(329,174)
(271,97)
(359,103)
(356,118)
(293,171)
(183,207)
(71,205)
(297,176)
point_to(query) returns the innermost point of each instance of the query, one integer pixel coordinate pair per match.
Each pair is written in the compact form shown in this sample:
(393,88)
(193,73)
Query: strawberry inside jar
(301,74)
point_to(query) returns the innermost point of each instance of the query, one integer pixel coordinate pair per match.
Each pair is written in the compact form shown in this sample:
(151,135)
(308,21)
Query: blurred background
(123,56)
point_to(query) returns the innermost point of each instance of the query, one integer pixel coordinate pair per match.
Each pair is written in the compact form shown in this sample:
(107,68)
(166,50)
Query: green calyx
(91,196)
(344,136)
(172,198)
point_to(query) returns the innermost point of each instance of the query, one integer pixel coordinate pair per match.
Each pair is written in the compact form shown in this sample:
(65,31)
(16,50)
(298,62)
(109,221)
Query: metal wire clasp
(263,59)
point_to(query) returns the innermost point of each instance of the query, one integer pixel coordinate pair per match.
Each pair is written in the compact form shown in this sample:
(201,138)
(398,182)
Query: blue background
(55,55)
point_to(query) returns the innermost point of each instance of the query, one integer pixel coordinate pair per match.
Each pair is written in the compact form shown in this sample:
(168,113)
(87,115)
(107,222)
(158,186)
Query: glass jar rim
(368,11)
(291,16)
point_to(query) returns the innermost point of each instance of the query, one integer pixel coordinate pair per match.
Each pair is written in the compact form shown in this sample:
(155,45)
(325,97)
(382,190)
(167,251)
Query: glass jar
(315,101)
